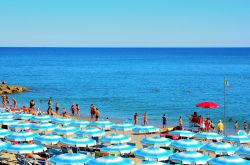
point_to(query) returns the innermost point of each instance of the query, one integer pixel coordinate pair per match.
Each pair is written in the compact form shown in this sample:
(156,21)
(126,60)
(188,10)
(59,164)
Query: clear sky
(128,23)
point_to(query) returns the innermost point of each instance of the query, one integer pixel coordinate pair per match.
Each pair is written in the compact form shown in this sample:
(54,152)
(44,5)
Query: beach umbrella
(237,138)
(187,145)
(91,132)
(208,104)
(23,116)
(2,145)
(42,127)
(78,142)
(153,153)
(151,163)
(66,130)
(145,129)
(6,115)
(79,123)
(110,160)
(189,157)
(119,149)
(208,136)
(49,139)
(228,160)
(70,159)
(25,148)
(219,148)
(102,124)
(244,151)
(7,121)
(63,121)
(182,133)
(42,118)
(20,126)
(115,138)
(156,141)
(21,136)
(4,132)
(123,127)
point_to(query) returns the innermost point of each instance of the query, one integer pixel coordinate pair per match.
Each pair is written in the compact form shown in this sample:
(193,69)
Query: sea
(122,81)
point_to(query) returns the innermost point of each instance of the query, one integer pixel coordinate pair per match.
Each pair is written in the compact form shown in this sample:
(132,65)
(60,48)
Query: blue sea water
(122,81)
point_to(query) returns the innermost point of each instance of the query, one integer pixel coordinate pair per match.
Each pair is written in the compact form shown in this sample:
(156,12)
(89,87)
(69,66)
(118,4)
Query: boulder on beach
(9,89)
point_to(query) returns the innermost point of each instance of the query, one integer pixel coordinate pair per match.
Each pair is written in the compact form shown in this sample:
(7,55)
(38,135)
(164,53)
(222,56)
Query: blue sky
(128,23)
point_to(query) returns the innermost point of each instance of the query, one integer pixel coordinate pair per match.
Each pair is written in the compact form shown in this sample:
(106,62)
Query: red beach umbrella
(208,104)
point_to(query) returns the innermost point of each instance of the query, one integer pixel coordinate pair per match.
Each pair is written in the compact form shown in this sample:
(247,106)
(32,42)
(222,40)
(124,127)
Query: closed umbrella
(189,157)
(228,160)
(156,141)
(70,159)
(78,142)
(152,153)
(219,148)
(115,138)
(187,145)
(110,160)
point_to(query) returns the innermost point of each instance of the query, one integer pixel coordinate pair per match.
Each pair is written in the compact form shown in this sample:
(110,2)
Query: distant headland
(10,89)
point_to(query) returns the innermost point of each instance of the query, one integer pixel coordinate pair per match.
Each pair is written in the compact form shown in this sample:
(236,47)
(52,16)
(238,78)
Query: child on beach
(220,127)
(145,119)
(135,118)
(164,121)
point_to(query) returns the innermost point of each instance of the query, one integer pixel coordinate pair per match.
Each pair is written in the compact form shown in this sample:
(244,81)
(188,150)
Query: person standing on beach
(32,104)
(92,111)
(164,121)
(57,107)
(14,103)
(78,110)
(135,118)
(236,127)
(73,109)
(145,119)
(220,127)
(50,102)
(7,100)
(97,114)
(245,126)
(180,122)
(3,100)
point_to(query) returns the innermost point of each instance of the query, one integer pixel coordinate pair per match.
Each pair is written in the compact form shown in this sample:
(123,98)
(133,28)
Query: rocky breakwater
(9,89)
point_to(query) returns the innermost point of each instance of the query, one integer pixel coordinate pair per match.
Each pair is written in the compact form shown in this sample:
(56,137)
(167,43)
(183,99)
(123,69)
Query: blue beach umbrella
(7,121)
(25,148)
(6,115)
(23,116)
(145,129)
(102,124)
(41,118)
(182,133)
(156,141)
(66,130)
(70,159)
(219,148)
(63,121)
(189,158)
(78,142)
(20,126)
(208,136)
(187,145)
(228,160)
(244,151)
(152,163)
(237,138)
(49,139)
(21,136)
(2,145)
(42,127)
(115,138)
(110,160)
(119,149)
(79,123)
(91,132)
(123,127)
(152,153)
(4,132)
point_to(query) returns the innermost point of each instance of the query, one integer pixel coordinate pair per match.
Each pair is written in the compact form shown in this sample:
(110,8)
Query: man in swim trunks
(92,111)
(97,114)
(57,107)
(164,121)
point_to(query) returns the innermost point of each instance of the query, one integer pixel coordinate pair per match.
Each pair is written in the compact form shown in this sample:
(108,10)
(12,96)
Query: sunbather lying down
(35,157)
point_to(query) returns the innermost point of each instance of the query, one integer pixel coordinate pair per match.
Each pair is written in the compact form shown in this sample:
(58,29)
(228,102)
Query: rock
(9,89)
